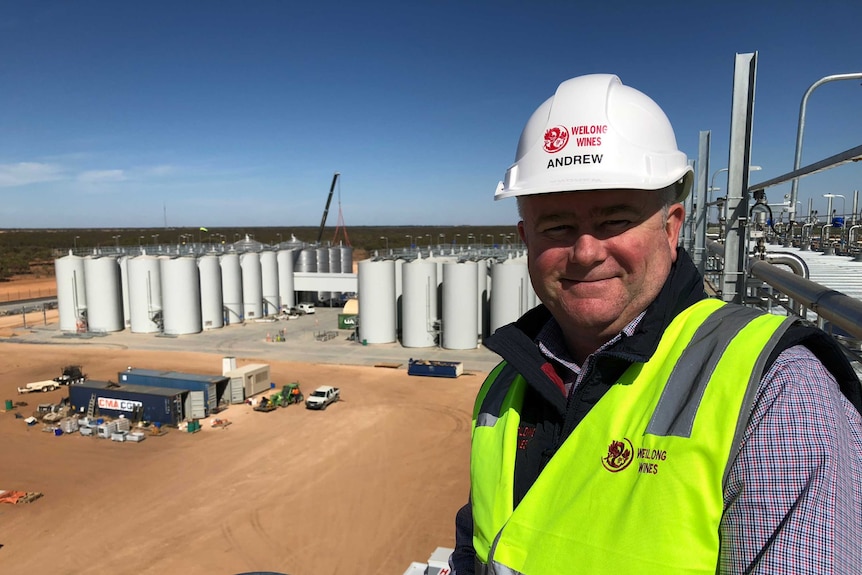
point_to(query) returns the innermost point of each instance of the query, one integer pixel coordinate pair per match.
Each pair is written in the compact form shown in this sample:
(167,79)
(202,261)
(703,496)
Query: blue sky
(221,113)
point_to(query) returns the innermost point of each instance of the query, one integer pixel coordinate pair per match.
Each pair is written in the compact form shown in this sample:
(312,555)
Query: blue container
(100,420)
(214,387)
(58,432)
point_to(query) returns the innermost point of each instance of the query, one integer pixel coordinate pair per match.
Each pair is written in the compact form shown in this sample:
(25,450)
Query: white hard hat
(596,134)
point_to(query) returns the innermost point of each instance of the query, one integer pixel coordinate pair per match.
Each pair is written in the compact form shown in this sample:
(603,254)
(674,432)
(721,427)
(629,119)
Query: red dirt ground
(366,486)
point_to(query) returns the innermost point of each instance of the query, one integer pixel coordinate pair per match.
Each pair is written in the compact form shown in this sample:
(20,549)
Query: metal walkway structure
(805,267)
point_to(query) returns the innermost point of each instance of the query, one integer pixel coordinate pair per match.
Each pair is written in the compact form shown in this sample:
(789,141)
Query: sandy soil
(366,486)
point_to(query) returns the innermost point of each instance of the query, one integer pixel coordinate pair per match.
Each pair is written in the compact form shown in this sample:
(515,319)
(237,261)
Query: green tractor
(291,393)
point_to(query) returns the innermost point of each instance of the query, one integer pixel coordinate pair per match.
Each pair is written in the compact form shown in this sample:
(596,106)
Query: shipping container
(434,368)
(206,392)
(248,380)
(135,402)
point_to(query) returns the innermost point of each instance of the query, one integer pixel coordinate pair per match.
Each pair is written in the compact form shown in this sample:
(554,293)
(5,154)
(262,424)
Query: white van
(305,307)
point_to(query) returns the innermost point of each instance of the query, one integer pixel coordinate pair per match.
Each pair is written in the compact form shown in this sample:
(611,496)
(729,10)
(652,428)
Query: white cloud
(163,170)
(100,176)
(24,173)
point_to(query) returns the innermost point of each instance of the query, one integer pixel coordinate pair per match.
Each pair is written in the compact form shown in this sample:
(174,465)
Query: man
(635,426)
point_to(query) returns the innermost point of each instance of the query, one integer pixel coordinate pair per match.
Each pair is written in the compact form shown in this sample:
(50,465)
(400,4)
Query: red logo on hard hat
(556,139)
(620,455)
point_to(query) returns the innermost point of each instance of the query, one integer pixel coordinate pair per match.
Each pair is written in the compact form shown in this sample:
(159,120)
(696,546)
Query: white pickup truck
(47,385)
(322,396)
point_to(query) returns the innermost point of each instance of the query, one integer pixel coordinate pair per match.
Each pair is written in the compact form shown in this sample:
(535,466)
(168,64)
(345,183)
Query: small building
(248,380)
(206,392)
(134,402)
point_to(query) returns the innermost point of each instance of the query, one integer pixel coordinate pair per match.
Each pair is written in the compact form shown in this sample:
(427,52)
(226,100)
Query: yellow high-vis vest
(637,488)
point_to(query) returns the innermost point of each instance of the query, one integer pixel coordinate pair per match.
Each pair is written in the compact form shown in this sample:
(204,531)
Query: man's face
(597,259)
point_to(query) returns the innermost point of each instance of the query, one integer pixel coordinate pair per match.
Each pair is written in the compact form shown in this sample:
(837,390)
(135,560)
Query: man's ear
(673,225)
(521,232)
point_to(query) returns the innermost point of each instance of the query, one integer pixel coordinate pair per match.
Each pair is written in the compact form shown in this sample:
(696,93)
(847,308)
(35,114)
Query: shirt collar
(552,344)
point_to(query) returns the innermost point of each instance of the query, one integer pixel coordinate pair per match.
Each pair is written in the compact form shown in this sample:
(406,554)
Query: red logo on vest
(556,139)
(620,455)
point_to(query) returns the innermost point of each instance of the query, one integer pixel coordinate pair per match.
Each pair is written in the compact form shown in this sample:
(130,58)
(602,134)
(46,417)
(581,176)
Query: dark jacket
(548,416)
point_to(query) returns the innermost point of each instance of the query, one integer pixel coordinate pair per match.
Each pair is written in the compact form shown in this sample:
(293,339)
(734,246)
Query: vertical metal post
(701,207)
(739,158)
(855,207)
(687,238)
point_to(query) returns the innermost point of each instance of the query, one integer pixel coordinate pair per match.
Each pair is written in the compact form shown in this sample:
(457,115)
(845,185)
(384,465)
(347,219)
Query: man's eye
(556,230)
(616,224)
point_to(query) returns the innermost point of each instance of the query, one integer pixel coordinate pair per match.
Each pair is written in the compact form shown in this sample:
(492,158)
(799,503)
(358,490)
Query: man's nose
(586,250)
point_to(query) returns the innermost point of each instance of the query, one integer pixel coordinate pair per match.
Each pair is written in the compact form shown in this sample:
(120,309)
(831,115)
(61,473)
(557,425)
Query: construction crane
(326,209)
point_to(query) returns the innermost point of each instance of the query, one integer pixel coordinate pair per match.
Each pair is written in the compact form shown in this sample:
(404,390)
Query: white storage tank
(252,286)
(209,271)
(460,329)
(269,281)
(510,285)
(286,295)
(71,292)
(483,281)
(181,296)
(399,296)
(419,303)
(102,283)
(145,294)
(231,288)
(376,281)
(124,287)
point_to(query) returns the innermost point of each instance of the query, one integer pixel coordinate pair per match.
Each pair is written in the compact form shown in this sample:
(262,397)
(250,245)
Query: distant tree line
(22,250)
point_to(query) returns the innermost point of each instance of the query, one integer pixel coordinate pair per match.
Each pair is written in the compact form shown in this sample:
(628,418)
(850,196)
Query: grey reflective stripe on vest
(492,405)
(683,392)
(493,567)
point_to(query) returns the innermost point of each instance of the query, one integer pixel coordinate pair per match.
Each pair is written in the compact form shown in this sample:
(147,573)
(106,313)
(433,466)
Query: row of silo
(440,301)
(171,294)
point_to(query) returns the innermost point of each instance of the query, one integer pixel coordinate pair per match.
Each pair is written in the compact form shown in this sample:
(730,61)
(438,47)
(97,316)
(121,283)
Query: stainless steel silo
(376,281)
(460,329)
(509,286)
(181,296)
(71,293)
(306,261)
(252,286)
(102,282)
(419,319)
(334,268)
(212,302)
(231,288)
(284,258)
(269,282)
(322,255)
(145,294)
(335,260)
(346,259)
